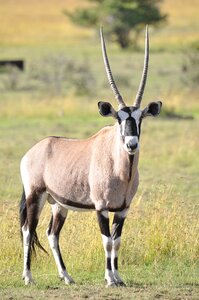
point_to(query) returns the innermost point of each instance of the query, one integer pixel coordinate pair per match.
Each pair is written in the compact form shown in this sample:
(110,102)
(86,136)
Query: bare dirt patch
(98,292)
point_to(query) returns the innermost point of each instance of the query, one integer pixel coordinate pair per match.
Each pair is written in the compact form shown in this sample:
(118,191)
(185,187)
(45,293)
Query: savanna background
(57,94)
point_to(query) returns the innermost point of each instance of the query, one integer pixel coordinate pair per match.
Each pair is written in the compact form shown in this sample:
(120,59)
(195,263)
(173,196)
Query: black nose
(132,146)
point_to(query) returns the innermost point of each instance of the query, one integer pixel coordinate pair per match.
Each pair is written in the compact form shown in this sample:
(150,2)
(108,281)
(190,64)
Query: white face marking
(130,141)
(123,124)
(133,140)
(123,115)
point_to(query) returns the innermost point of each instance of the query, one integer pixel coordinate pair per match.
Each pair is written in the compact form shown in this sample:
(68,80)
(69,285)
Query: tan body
(95,173)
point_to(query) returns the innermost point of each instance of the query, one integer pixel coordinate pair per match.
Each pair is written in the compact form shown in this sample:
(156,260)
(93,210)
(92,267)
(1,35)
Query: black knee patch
(117,227)
(103,224)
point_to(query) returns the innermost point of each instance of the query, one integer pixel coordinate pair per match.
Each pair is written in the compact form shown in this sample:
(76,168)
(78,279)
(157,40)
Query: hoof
(28,281)
(68,280)
(121,284)
(27,277)
(111,284)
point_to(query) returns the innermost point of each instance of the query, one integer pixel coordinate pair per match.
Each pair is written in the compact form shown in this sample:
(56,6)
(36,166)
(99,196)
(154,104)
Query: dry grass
(43,106)
(43,22)
(160,238)
(156,231)
(162,228)
(30,22)
(26,106)
(181,12)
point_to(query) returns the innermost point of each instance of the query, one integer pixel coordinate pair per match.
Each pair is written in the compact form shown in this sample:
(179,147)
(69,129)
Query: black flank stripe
(69,202)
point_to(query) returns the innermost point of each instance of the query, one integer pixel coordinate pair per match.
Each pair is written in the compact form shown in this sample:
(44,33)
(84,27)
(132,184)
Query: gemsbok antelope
(99,173)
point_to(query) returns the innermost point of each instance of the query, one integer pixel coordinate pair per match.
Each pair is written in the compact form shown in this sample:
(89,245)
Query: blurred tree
(119,17)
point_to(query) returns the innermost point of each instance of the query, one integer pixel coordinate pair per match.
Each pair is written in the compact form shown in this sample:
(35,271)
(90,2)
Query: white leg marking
(56,208)
(115,248)
(123,213)
(27,276)
(107,243)
(54,247)
(114,254)
(104,213)
(41,202)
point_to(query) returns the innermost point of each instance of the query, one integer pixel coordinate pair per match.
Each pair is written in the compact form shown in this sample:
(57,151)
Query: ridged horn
(140,92)
(109,73)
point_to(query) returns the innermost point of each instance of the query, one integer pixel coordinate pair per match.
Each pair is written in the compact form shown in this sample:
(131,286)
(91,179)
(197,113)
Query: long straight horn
(109,73)
(140,92)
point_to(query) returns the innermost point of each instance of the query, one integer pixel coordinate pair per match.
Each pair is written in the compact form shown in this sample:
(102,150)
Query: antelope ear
(153,109)
(106,109)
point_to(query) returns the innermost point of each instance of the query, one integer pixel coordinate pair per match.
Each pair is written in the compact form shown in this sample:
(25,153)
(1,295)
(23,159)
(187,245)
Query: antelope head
(129,117)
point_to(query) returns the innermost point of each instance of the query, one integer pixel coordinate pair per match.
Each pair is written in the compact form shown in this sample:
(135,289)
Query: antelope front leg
(117,226)
(103,221)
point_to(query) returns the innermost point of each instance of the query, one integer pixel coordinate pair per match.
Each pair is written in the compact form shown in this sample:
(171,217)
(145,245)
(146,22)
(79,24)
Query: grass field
(160,245)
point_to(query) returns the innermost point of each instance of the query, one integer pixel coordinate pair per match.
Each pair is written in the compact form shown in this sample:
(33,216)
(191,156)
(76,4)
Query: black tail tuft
(23,220)
(35,241)
(22,211)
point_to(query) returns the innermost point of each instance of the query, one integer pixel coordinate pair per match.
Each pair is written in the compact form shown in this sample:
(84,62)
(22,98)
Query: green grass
(160,240)
(160,244)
